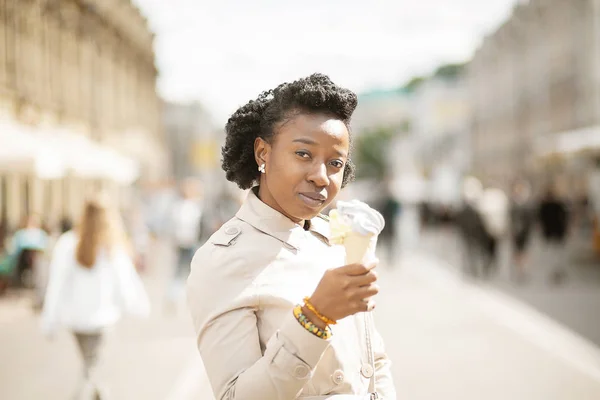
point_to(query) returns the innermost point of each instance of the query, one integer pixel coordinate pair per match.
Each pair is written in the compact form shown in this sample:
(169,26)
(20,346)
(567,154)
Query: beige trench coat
(243,286)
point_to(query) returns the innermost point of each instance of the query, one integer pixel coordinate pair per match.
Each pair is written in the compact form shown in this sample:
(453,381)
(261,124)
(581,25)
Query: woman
(521,218)
(92,283)
(257,337)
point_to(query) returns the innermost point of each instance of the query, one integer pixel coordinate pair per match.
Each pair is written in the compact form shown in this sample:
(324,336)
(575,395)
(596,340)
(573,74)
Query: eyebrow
(304,140)
(310,141)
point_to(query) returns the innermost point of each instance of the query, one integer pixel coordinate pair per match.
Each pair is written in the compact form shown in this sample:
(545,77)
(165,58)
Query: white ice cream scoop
(356,226)
(362,218)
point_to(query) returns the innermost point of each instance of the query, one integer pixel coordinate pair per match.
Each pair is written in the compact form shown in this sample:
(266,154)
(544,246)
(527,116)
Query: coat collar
(277,225)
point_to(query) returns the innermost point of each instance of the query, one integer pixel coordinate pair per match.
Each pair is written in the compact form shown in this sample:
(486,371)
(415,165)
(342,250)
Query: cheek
(287,171)
(336,180)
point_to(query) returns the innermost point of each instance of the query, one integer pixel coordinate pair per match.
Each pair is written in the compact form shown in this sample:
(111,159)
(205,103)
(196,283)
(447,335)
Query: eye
(303,154)
(337,164)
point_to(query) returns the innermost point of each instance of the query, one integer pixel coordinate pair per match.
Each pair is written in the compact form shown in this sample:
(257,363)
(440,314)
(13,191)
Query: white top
(186,219)
(90,299)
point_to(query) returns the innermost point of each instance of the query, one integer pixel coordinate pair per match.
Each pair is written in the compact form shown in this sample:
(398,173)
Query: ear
(261,151)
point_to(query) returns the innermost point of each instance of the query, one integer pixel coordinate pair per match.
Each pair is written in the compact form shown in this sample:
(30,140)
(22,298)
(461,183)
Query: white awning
(89,159)
(570,142)
(52,153)
(22,151)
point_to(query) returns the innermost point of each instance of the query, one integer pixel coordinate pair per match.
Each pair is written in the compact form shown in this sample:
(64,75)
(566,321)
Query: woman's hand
(344,291)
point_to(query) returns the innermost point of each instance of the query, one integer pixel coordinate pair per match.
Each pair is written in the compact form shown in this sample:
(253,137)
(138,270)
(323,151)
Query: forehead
(321,127)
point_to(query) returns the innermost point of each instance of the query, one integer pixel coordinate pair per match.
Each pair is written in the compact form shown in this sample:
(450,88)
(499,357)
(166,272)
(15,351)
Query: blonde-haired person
(93,282)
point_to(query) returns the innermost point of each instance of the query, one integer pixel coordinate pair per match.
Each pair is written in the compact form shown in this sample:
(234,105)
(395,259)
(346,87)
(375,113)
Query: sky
(224,52)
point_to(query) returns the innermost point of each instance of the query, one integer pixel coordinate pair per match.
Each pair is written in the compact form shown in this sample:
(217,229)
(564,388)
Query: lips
(313,199)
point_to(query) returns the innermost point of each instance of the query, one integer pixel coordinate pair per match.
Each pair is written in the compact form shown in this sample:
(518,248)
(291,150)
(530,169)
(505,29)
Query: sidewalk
(450,339)
(574,302)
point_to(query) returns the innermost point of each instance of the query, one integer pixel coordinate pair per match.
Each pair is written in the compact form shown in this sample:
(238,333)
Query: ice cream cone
(358,247)
(338,228)
(356,226)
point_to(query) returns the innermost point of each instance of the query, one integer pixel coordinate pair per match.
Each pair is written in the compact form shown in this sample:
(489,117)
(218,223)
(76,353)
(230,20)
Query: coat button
(301,372)
(338,377)
(366,370)
(232,230)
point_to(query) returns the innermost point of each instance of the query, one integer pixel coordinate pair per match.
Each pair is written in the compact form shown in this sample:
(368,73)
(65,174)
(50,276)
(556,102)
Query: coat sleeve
(384,383)
(228,339)
(60,266)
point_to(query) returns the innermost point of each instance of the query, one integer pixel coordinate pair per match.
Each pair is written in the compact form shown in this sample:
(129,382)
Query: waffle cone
(357,247)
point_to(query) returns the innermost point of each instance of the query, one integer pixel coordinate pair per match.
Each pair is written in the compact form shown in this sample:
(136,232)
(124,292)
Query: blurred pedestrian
(390,209)
(186,231)
(4,261)
(92,283)
(28,246)
(42,271)
(65,225)
(139,236)
(3,236)
(522,218)
(228,203)
(494,207)
(471,227)
(553,215)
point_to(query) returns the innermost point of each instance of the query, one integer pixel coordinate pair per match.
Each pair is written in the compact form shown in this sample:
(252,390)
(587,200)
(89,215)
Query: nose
(318,175)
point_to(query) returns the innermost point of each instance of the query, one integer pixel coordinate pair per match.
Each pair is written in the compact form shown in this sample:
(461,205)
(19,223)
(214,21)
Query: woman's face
(304,164)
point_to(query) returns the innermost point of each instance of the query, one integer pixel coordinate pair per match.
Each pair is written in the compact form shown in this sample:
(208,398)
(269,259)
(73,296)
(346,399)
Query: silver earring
(261,168)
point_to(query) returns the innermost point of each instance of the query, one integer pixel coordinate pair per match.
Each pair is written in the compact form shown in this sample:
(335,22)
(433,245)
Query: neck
(265,196)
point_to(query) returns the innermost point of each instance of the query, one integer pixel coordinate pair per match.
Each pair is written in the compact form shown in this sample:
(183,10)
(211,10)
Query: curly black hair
(314,94)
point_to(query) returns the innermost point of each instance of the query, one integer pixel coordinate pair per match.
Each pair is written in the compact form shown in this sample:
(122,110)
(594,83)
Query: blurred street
(574,302)
(448,339)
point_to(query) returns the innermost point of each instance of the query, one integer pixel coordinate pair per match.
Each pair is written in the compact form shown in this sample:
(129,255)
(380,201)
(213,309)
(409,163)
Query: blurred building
(194,144)
(190,138)
(381,109)
(441,119)
(535,91)
(441,126)
(78,104)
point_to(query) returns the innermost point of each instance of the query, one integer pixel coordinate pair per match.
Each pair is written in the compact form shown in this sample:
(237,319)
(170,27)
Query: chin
(302,212)
(310,213)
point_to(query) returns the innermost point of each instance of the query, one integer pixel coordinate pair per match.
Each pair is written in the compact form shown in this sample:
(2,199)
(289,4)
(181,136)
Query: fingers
(370,305)
(363,298)
(365,306)
(363,280)
(358,269)
(365,292)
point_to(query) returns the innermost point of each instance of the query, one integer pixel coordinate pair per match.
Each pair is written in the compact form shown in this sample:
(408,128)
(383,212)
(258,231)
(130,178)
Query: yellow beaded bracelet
(312,308)
(309,326)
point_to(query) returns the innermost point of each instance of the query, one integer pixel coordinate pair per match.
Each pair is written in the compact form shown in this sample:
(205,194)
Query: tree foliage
(450,71)
(413,84)
(371,152)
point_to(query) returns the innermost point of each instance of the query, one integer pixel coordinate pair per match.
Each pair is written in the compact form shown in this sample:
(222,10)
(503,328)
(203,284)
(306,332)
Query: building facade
(85,68)
(194,143)
(533,81)
(192,139)
(440,125)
